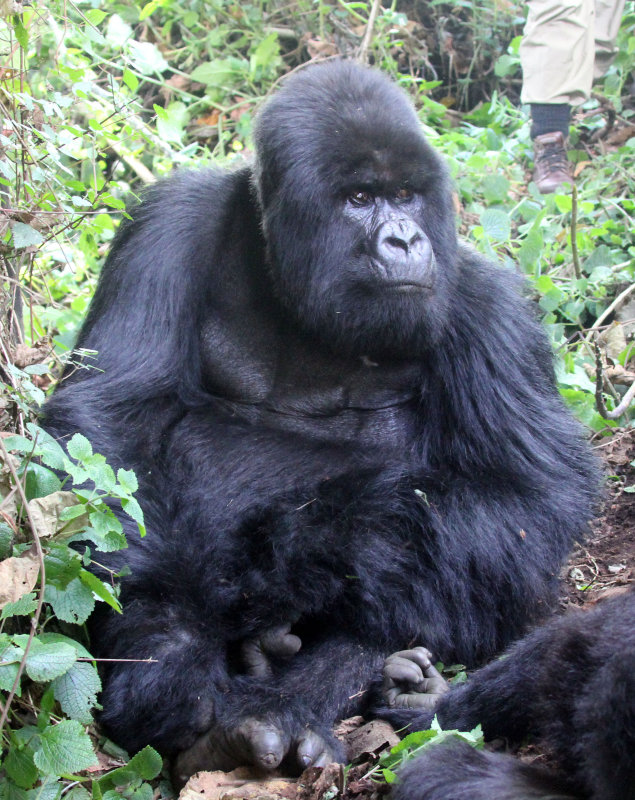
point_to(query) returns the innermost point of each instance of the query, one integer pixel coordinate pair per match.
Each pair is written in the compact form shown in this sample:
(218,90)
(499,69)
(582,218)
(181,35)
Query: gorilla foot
(257,743)
(412,681)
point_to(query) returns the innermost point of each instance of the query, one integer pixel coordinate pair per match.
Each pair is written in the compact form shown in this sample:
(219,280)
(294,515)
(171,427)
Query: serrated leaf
(40,481)
(25,605)
(21,33)
(76,691)
(10,657)
(25,236)
(127,480)
(74,603)
(48,790)
(131,80)
(133,509)
(64,749)
(19,765)
(95,16)
(99,588)
(496,224)
(45,662)
(79,447)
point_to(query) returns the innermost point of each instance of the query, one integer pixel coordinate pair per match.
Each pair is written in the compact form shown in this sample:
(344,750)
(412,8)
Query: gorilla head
(357,211)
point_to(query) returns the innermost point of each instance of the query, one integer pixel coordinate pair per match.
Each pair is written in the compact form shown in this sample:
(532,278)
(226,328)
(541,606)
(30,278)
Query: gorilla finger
(279,642)
(255,660)
(432,686)
(402,670)
(264,743)
(313,751)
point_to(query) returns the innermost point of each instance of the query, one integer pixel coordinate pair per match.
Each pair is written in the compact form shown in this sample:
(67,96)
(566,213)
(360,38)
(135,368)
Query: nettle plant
(57,513)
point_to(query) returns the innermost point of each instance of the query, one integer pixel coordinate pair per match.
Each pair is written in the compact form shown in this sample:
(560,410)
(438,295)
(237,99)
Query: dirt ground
(603,565)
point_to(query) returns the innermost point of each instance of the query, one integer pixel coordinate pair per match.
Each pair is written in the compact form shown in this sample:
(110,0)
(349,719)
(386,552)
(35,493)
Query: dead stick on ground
(362,56)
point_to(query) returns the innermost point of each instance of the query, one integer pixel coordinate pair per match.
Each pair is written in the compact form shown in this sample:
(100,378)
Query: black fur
(571,683)
(378,467)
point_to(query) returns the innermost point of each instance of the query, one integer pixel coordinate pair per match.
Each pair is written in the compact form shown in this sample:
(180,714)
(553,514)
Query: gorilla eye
(361,198)
(404,194)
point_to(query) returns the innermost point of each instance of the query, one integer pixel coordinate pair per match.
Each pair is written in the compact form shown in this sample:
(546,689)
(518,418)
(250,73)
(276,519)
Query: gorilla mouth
(407,287)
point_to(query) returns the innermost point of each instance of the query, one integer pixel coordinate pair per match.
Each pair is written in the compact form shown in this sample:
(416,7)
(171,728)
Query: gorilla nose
(399,235)
(403,252)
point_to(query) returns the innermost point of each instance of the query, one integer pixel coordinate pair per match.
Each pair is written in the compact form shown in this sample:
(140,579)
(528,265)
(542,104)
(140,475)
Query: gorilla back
(345,428)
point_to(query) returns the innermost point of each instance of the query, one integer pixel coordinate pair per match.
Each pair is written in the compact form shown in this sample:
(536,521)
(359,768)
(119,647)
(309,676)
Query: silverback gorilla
(572,683)
(344,425)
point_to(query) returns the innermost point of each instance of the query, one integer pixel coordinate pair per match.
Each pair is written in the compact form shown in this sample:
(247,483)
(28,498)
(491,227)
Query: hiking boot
(552,168)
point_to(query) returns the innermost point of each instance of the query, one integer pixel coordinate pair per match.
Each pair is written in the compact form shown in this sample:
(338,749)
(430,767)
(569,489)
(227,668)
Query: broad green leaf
(99,588)
(74,603)
(19,761)
(79,447)
(64,749)
(25,605)
(76,691)
(127,480)
(496,224)
(45,662)
(25,236)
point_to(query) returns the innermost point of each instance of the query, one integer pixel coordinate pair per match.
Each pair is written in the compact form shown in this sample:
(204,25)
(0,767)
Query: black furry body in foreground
(571,683)
(341,420)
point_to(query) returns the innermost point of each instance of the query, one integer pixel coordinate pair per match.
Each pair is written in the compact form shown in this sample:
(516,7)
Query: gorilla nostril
(394,241)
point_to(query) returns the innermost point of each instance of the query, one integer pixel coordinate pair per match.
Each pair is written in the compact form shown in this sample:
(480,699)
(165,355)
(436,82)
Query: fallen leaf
(17,577)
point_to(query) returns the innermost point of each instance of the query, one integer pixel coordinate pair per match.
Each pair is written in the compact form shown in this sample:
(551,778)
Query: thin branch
(599,397)
(574,231)
(40,601)
(362,55)
(619,300)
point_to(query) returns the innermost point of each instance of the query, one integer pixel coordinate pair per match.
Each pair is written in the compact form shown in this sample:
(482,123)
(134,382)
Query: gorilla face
(357,212)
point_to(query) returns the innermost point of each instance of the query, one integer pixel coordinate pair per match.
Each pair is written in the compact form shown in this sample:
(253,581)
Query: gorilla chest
(352,400)
(284,382)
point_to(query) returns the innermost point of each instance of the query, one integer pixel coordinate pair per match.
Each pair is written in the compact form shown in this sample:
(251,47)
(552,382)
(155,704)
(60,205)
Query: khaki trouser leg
(608,15)
(557,51)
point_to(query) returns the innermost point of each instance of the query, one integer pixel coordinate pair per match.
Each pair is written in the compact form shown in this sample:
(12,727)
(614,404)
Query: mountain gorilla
(344,425)
(572,683)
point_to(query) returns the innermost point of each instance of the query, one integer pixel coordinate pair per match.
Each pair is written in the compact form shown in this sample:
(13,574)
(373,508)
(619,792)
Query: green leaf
(145,765)
(131,80)
(25,236)
(127,480)
(146,57)
(496,224)
(10,657)
(76,691)
(95,16)
(218,72)
(64,749)
(133,509)
(79,447)
(48,661)
(74,603)
(25,605)
(530,250)
(20,767)
(22,35)
(40,481)
(47,790)
(99,588)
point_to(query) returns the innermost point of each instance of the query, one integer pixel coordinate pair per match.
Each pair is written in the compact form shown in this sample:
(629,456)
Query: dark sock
(549,117)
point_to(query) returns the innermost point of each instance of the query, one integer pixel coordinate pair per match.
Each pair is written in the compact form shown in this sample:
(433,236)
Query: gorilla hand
(276,642)
(258,743)
(411,680)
